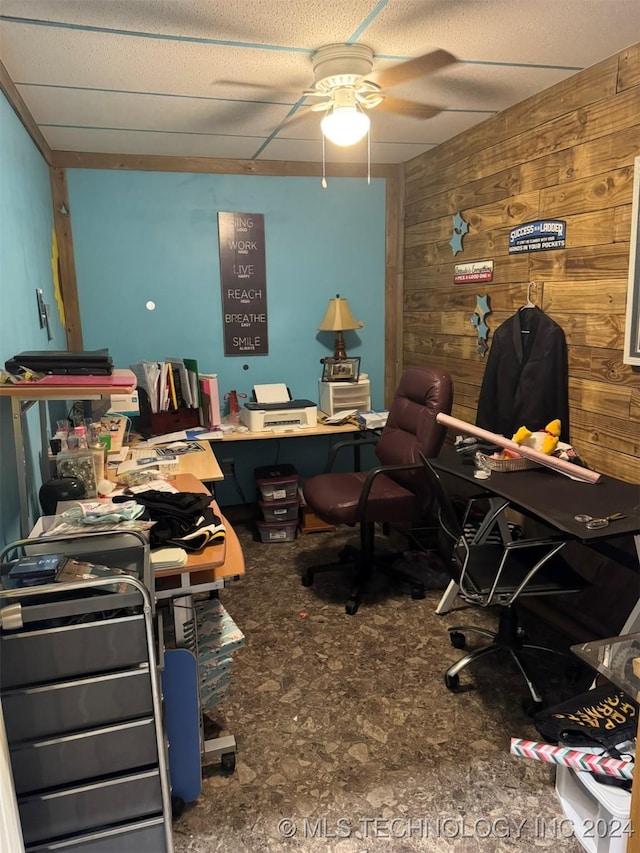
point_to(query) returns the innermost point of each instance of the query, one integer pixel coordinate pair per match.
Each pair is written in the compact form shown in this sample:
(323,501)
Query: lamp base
(339,351)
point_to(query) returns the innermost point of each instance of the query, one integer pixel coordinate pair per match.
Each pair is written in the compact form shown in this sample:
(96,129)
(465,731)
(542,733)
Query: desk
(348,429)
(319,429)
(209,570)
(555,499)
(202,465)
(24,396)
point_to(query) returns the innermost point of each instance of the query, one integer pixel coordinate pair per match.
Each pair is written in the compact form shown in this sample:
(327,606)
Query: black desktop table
(554,499)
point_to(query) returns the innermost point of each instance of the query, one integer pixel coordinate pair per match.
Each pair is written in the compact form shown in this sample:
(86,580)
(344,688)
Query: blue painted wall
(141,236)
(26,223)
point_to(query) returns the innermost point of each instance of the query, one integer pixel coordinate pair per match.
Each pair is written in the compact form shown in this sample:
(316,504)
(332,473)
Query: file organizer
(83,715)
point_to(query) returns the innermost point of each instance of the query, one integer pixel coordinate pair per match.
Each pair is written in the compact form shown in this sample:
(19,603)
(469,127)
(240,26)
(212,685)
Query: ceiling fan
(346,86)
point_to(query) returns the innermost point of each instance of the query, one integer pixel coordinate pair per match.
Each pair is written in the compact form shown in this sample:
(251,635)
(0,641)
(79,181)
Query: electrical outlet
(228,467)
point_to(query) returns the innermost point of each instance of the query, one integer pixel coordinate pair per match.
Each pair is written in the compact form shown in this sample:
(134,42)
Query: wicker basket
(504,466)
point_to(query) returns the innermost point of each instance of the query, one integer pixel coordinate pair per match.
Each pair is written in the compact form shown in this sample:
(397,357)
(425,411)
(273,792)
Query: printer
(274,410)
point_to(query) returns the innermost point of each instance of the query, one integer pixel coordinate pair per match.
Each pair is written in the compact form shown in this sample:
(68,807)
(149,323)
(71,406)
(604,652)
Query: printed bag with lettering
(603,717)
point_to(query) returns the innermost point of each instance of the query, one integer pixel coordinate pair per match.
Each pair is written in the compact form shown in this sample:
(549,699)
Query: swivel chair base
(364,570)
(508,638)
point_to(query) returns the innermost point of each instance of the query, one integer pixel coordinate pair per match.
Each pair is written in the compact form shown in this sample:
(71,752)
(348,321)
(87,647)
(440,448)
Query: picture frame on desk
(340,369)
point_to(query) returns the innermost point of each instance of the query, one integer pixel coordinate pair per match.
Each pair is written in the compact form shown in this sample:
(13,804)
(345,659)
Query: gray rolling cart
(82,705)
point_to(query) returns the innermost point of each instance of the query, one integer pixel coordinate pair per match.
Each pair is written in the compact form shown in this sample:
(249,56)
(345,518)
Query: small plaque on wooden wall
(540,236)
(243,280)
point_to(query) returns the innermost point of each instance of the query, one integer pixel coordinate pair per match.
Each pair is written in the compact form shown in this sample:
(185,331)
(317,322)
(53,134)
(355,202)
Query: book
(34,571)
(194,381)
(173,398)
(210,400)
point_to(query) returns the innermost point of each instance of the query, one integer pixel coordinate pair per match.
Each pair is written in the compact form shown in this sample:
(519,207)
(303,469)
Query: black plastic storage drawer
(47,710)
(33,657)
(141,837)
(82,808)
(85,756)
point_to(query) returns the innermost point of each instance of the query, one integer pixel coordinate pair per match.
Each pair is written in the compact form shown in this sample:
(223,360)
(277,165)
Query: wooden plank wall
(565,153)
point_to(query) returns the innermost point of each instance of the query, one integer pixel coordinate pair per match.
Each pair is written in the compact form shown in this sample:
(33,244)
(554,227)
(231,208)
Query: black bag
(603,717)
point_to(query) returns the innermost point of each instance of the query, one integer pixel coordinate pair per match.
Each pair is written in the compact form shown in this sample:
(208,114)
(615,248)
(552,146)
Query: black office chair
(394,492)
(497,574)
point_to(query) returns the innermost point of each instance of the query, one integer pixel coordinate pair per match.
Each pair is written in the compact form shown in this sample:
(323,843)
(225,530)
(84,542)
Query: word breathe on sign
(243,283)
(539,236)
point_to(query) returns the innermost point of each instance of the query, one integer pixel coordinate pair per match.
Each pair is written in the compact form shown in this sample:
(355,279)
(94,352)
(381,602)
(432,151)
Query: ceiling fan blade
(412,109)
(302,113)
(412,68)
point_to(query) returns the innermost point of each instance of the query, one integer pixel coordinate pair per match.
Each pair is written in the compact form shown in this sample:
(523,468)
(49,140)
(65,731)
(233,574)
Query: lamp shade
(345,125)
(338,317)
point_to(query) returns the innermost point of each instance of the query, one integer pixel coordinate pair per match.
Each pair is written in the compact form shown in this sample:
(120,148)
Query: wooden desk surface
(217,562)
(320,429)
(201,464)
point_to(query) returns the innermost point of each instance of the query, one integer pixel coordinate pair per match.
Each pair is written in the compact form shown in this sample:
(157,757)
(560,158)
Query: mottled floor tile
(349,741)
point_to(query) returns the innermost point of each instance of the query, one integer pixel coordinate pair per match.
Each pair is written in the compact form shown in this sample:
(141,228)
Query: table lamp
(339,319)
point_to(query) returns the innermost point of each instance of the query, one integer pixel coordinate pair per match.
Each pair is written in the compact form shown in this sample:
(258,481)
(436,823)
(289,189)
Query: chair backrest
(453,544)
(412,429)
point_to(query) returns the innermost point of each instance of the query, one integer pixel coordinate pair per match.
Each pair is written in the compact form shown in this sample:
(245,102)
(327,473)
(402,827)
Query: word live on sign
(243,282)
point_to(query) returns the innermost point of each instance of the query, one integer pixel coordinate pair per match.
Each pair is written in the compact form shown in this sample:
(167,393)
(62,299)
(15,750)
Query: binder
(173,399)
(210,400)
(191,366)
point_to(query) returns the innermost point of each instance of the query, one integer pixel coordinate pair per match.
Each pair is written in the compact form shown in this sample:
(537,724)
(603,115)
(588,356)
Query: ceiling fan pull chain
(369,155)
(324,168)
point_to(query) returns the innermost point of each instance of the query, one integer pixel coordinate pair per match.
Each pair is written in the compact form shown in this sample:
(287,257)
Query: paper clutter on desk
(372,419)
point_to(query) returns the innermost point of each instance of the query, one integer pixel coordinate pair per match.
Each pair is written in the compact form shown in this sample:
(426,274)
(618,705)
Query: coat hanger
(529,303)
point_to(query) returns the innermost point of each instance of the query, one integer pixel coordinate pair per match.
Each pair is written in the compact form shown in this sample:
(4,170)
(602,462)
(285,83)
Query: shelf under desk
(24,395)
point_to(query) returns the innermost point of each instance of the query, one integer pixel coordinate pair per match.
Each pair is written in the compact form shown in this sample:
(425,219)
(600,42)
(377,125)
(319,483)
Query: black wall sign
(243,280)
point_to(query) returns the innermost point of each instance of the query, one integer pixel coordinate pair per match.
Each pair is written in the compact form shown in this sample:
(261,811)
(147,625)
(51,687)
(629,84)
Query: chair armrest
(375,472)
(339,445)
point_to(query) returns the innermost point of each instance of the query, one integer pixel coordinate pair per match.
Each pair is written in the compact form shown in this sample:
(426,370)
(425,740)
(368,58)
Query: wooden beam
(66,263)
(15,99)
(210,165)
(393,318)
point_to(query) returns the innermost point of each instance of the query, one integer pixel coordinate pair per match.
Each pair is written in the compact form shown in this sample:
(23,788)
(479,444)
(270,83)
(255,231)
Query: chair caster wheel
(351,607)
(452,682)
(228,761)
(417,593)
(457,639)
(307,579)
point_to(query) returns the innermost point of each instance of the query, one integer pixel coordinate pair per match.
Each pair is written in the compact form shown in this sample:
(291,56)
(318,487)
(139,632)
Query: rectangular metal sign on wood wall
(243,280)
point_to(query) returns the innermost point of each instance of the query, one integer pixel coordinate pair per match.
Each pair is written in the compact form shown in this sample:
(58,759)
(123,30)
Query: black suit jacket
(526,379)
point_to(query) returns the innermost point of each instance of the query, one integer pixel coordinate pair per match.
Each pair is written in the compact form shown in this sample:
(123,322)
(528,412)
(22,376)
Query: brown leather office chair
(496,574)
(395,491)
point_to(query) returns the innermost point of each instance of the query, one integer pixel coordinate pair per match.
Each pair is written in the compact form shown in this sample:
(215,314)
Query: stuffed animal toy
(544,440)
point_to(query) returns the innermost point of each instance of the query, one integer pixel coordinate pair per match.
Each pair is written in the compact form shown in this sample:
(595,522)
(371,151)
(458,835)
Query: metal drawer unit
(82,706)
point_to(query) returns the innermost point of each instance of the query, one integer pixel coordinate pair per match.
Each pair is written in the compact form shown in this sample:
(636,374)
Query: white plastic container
(599,813)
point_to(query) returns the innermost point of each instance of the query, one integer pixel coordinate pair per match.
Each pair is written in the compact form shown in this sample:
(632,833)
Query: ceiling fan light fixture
(345,125)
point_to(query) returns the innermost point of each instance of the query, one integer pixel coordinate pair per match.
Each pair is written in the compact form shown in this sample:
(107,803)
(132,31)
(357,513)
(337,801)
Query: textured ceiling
(217,78)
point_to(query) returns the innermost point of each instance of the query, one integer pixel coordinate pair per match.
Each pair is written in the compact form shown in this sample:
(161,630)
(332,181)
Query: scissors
(596,523)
